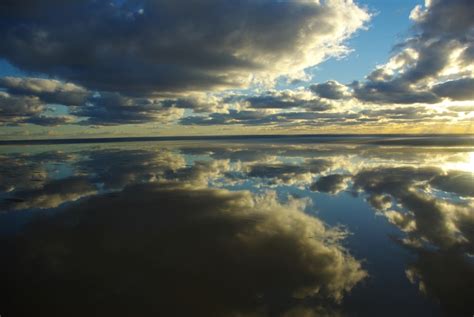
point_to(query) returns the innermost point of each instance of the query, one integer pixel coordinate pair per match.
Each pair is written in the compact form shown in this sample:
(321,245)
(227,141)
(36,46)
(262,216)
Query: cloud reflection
(151,248)
(214,225)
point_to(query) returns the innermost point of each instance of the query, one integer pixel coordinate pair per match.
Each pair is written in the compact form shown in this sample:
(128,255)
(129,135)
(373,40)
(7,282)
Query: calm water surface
(274,227)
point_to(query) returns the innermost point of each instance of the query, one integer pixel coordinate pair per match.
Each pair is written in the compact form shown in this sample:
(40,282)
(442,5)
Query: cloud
(119,237)
(149,247)
(394,91)
(201,173)
(51,194)
(332,184)
(19,172)
(47,90)
(380,202)
(286,99)
(289,174)
(447,276)
(155,61)
(26,100)
(330,90)
(293,119)
(435,63)
(462,108)
(116,109)
(14,109)
(251,117)
(48,120)
(233,117)
(439,231)
(458,182)
(442,222)
(400,113)
(116,168)
(146,47)
(460,89)
(196,102)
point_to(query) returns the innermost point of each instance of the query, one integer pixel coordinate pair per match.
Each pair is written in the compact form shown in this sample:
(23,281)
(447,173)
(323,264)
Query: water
(306,226)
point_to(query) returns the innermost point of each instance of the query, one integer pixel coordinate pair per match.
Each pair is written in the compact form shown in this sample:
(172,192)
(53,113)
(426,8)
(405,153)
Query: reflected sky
(238,228)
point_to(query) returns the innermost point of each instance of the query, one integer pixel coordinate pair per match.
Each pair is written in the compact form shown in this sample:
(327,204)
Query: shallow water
(250,227)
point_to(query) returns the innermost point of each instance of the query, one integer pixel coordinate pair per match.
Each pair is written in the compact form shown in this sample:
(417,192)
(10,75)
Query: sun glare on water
(466,165)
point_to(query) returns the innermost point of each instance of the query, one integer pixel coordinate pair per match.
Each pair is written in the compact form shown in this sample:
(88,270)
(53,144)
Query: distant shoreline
(394,139)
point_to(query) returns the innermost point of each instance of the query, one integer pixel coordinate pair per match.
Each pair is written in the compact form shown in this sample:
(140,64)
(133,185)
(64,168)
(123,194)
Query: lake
(282,226)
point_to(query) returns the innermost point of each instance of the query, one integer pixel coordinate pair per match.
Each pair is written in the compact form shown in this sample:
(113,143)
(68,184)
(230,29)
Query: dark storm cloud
(149,248)
(141,47)
(330,90)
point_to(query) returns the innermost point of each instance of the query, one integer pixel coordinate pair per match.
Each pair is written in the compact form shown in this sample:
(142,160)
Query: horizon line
(219,137)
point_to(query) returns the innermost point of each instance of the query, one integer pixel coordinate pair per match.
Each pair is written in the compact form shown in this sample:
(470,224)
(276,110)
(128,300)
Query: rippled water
(271,227)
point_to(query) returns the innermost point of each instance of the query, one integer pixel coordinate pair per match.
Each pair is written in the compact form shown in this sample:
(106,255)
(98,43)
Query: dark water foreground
(255,227)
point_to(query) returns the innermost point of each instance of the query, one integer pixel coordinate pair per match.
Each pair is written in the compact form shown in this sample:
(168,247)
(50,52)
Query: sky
(75,69)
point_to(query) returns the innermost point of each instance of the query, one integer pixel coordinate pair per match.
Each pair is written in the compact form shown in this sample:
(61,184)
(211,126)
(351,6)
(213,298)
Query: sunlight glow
(466,165)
